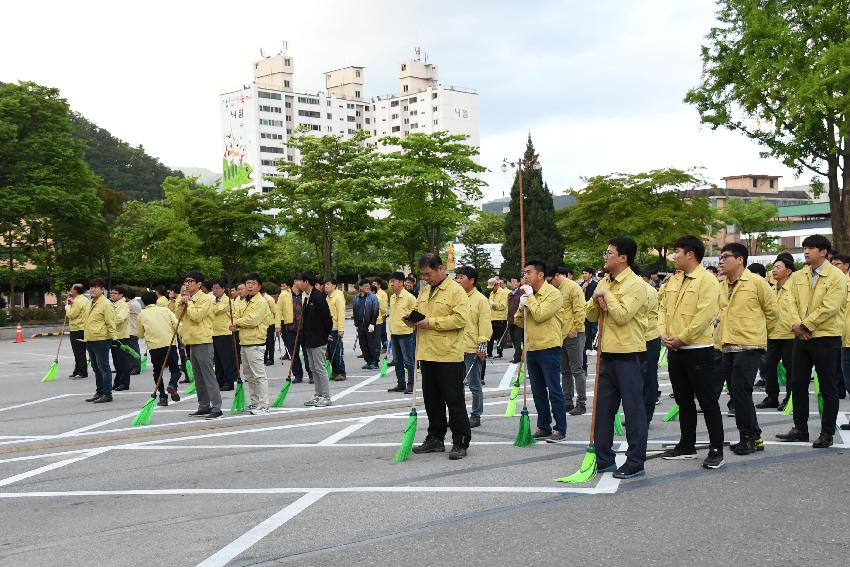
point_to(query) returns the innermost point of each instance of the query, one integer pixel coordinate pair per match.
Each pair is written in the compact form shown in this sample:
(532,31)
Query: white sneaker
(313,401)
(259,410)
(323,402)
(251,408)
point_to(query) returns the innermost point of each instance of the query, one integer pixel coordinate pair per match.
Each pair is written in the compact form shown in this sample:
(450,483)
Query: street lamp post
(519,164)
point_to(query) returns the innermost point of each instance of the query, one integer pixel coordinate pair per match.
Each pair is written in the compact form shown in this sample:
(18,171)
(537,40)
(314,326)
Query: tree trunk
(11,271)
(839,204)
(327,254)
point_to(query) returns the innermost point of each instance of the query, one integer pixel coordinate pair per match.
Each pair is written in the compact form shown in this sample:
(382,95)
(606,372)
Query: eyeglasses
(190,280)
(609,253)
(726,257)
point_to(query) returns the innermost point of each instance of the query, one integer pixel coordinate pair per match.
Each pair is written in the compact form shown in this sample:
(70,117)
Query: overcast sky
(598,84)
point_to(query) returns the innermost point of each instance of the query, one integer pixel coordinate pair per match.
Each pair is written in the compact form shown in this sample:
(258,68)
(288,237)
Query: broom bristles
(50,375)
(406,446)
(281,396)
(144,364)
(238,400)
(383,368)
(524,438)
(789,407)
(818,395)
(190,372)
(130,351)
(328,368)
(510,411)
(144,416)
(586,471)
(618,425)
(781,373)
(672,414)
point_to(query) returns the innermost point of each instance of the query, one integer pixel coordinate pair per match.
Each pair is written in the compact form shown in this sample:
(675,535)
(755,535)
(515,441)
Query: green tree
(648,207)
(542,239)
(778,72)
(433,183)
(331,193)
(755,219)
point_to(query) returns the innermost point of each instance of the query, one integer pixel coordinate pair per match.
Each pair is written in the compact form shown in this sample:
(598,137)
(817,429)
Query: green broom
(406,446)
(673,414)
(238,400)
(618,425)
(524,438)
(818,395)
(191,388)
(385,362)
(51,373)
(281,396)
(143,366)
(284,389)
(662,360)
(146,413)
(587,470)
(510,411)
(328,368)
(129,350)
(190,372)
(789,407)
(780,374)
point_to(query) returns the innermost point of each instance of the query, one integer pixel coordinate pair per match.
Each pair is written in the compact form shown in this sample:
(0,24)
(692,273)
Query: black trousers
(157,360)
(224,360)
(370,345)
(517,338)
(297,369)
(442,388)
(498,330)
(268,357)
(777,350)
(79,349)
(820,354)
(135,365)
(620,380)
(740,369)
(122,366)
(692,376)
(650,376)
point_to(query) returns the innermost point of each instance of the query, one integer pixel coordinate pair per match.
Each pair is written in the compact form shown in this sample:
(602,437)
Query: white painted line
(845,435)
(356,387)
(52,466)
(340,435)
(42,456)
(261,530)
(7,408)
(126,416)
(505,382)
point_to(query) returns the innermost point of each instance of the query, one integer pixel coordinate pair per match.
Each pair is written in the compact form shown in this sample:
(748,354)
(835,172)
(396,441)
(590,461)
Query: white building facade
(258,119)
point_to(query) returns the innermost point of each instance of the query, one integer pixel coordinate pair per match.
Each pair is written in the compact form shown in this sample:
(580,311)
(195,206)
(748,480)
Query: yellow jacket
(499,304)
(156,325)
(787,307)
(652,332)
(221,315)
(545,323)
(820,308)
(688,307)
(624,326)
(336,304)
(162,301)
(252,321)
(172,305)
(122,319)
(573,314)
(749,314)
(285,313)
(400,305)
(100,323)
(77,312)
(196,327)
(447,310)
(383,302)
(479,326)
(272,315)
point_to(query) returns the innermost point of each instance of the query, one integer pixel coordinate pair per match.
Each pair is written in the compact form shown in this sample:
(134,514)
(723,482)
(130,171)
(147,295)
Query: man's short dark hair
(119,289)
(175,288)
(712,269)
(646,274)
(363,281)
(736,249)
(565,271)
(217,282)
(195,275)
(310,277)
(331,281)
(758,269)
(149,298)
(787,260)
(539,265)
(97,282)
(162,290)
(129,293)
(287,281)
(625,247)
(254,276)
(410,278)
(398,276)
(843,258)
(79,288)
(430,260)
(551,271)
(378,281)
(689,243)
(469,272)
(590,271)
(818,241)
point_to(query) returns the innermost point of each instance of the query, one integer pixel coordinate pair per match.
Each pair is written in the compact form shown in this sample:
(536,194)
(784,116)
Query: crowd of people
(716,327)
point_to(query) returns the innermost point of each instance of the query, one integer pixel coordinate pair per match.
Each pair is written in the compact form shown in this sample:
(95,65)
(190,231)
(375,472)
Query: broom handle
(596,378)
(294,352)
(522,363)
(61,335)
(233,339)
(415,367)
(168,351)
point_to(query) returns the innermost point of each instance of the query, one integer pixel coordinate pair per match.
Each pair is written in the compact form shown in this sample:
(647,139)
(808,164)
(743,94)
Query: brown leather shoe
(794,435)
(580,409)
(823,441)
(103,399)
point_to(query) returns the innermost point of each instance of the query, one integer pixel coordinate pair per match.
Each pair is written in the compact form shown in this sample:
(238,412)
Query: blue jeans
(403,346)
(544,374)
(335,353)
(99,355)
(472,371)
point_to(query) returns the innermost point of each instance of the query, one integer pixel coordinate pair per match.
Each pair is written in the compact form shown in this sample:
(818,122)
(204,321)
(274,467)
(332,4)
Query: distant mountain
(204,175)
(501,205)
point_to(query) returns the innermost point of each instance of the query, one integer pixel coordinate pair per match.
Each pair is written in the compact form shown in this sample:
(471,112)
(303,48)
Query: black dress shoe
(457,453)
(474,422)
(768,403)
(103,399)
(93,398)
(628,471)
(408,391)
(844,426)
(431,445)
(227,388)
(794,435)
(214,414)
(823,441)
(199,413)
(121,388)
(396,389)
(297,380)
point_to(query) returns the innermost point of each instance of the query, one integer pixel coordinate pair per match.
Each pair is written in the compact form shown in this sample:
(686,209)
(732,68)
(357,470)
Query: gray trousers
(316,356)
(572,370)
(209,396)
(254,371)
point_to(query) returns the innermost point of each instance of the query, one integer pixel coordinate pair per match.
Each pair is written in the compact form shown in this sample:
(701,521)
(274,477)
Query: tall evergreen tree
(542,239)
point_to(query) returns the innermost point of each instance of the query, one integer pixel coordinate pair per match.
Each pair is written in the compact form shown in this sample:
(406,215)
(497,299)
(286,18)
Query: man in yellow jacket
(285,316)
(747,315)
(477,332)
(251,325)
(157,325)
(439,350)
(573,378)
(224,351)
(123,363)
(780,343)
(498,315)
(383,305)
(336,304)
(686,314)
(402,302)
(268,355)
(621,297)
(99,334)
(820,290)
(541,314)
(196,330)
(77,310)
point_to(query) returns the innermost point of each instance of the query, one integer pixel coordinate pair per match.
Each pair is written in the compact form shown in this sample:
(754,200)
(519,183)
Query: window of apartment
(407,120)
(286,84)
(264,122)
(275,109)
(271,149)
(405,88)
(287,62)
(330,116)
(414,112)
(367,108)
(308,100)
(773,183)
(288,130)
(755,182)
(394,117)
(268,136)
(329,102)
(435,122)
(412,100)
(351,119)
(350,106)
(288,104)
(357,94)
(359,126)
(357,113)
(396,128)
(434,109)
(350,131)
(315,127)
(433,95)
(310,113)
(368,121)
(270,162)
(393,103)
(356,73)
(405,108)
(403,67)
(268,188)
(290,158)
(414,125)
(273,96)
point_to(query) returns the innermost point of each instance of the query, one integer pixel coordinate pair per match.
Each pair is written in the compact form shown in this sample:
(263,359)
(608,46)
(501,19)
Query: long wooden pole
(521,268)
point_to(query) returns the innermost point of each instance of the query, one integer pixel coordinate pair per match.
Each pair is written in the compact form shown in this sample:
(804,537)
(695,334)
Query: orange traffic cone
(19,335)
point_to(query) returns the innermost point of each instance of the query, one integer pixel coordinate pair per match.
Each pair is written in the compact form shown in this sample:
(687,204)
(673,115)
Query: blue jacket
(365,310)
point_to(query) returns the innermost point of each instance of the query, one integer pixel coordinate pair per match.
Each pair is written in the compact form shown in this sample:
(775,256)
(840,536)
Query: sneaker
(746,446)
(759,384)
(215,414)
(457,453)
(431,445)
(163,403)
(759,443)
(409,391)
(768,402)
(311,402)
(323,402)
(670,395)
(629,471)
(823,441)
(580,409)
(474,422)
(714,460)
(607,468)
(200,413)
(658,399)
(556,436)
(540,434)
(340,378)
(569,407)
(678,453)
(794,435)
(251,408)
(731,412)
(259,410)
(782,404)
